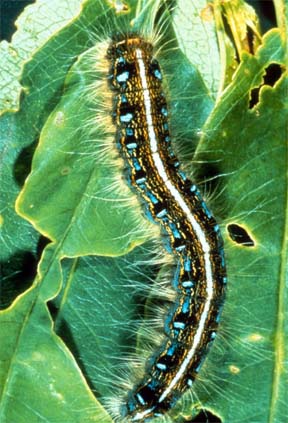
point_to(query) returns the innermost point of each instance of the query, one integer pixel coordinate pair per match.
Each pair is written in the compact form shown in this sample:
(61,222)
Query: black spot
(272,75)
(22,166)
(53,309)
(173,162)
(8,14)
(147,393)
(159,207)
(130,140)
(250,39)
(126,108)
(125,67)
(265,12)
(239,235)
(154,70)
(167,360)
(254,97)
(161,107)
(186,186)
(140,176)
(18,273)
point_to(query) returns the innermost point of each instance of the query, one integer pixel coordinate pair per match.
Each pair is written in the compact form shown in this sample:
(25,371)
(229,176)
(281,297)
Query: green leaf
(97,304)
(250,350)
(197,37)
(35,26)
(18,252)
(43,79)
(37,369)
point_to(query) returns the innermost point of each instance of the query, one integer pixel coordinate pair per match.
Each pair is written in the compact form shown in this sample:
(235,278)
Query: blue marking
(131,145)
(121,60)
(118,144)
(170,151)
(185,306)
(196,192)
(180,248)
(142,186)
(131,406)
(199,366)
(174,230)
(182,175)
(129,132)
(175,281)
(158,414)
(206,210)
(171,350)
(165,126)
(167,246)
(217,319)
(187,264)
(126,118)
(123,77)
(224,280)
(189,382)
(123,98)
(136,164)
(164,111)
(179,325)
(176,233)
(161,366)
(221,252)
(157,74)
(162,213)
(140,181)
(152,197)
(140,399)
(212,335)
(188,284)
(152,385)
(167,139)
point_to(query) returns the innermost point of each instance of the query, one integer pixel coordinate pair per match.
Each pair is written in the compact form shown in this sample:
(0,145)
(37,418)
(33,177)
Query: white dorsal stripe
(147,102)
(195,225)
(140,416)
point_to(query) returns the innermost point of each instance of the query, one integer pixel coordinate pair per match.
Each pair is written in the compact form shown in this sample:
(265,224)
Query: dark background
(9,10)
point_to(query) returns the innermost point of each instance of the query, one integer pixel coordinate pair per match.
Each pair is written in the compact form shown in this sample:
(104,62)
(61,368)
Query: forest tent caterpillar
(141,118)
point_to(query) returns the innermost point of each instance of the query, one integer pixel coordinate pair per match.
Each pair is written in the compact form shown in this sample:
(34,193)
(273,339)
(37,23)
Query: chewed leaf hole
(272,74)
(205,417)
(240,235)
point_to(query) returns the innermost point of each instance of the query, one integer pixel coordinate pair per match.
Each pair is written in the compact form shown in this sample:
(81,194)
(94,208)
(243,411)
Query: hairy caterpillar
(141,117)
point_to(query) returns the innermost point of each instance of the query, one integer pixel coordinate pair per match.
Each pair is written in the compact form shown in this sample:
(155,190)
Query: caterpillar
(140,116)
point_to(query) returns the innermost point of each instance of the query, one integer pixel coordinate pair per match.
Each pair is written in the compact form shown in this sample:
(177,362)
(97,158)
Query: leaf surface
(250,350)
